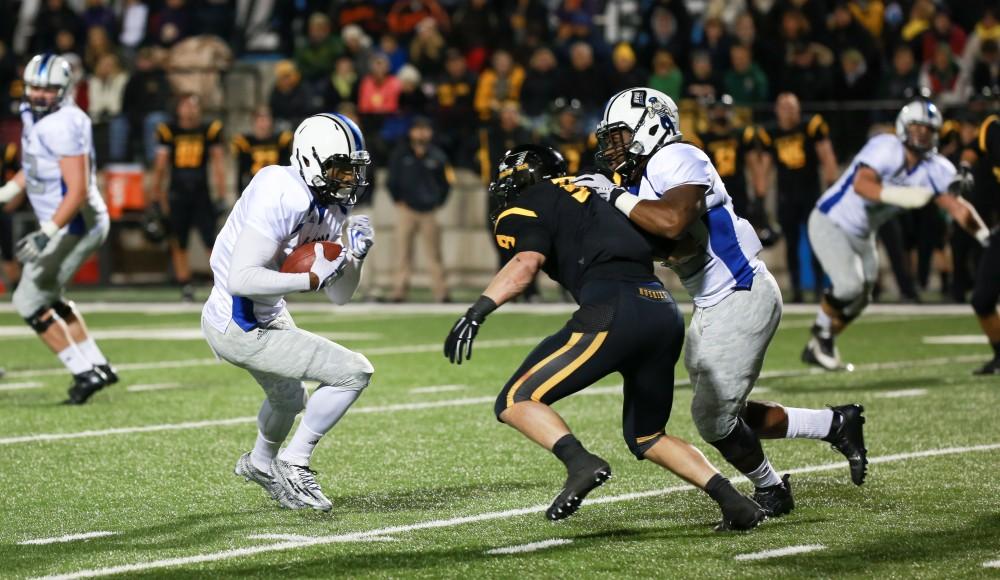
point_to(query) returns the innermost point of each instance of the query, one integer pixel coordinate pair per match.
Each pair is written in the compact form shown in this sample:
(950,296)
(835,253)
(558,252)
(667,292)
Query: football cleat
(110,374)
(84,386)
(246,469)
(740,514)
(775,500)
(578,484)
(822,352)
(990,368)
(847,436)
(297,485)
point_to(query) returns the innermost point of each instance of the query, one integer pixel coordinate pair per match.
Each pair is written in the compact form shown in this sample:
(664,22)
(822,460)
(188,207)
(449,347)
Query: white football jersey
(885,154)
(278,204)
(729,245)
(65,132)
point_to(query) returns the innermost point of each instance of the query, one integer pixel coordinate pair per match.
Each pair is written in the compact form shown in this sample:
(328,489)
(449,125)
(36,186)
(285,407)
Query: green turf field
(426,483)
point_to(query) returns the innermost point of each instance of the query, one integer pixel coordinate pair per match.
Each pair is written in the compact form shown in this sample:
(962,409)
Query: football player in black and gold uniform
(10,163)
(806,164)
(187,147)
(987,288)
(260,148)
(731,150)
(627,323)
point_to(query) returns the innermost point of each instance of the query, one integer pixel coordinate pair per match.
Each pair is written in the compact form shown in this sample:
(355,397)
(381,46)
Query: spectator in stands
(145,101)
(624,71)
(367,16)
(664,34)
(97,13)
(342,86)
(291,99)
(427,49)
(870,14)
(9,89)
(541,85)
(919,21)
(570,137)
(389,46)
(765,51)
(476,26)
(357,45)
(745,81)
(106,90)
(988,28)
(497,84)
(98,45)
(703,83)
(986,72)
(420,178)
(808,74)
(855,82)
(378,100)
(502,135)
(406,14)
(942,31)
(172,24)
(584,81)
(844,33)
(315,59)
(55,17)
(940,75)
(455,110)
(135,14)
(903,78)
(529,22)
(666,77)
(195,66)
(715,41)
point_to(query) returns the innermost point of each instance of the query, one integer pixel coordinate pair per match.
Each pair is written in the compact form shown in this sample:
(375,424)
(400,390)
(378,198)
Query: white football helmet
(919,112)
(46,71)
(636,123)
(329,152)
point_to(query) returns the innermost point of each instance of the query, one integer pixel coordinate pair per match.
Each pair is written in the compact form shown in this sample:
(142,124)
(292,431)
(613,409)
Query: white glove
(31,246)
(599,182)
(9,191)
(327,271)
(983,237)
(361,234)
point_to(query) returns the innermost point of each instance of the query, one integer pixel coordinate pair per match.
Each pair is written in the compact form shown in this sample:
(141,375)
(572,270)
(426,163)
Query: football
(301,259)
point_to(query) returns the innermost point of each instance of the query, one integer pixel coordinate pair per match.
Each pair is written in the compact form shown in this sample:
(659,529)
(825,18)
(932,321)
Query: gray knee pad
(289,397)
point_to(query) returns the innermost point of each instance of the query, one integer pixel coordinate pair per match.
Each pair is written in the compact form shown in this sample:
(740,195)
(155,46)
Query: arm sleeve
(343,288)
(248,275)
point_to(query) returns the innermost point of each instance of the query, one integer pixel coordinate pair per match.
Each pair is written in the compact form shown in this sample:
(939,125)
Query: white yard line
(532,547)
(298,538)
(437,389)
(601,390)
(956,339)
(192,333)
(19,386)
(779,552)
(992,564)
(152,387)
(451,522)
(67,538)
(901,393)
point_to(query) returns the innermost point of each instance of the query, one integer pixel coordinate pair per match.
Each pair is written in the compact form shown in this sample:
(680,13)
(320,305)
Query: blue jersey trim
(722,238)
(77,226)
(831,201)
(243,314)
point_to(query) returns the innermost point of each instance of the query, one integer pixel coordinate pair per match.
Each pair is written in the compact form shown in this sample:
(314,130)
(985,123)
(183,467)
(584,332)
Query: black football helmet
(521,167)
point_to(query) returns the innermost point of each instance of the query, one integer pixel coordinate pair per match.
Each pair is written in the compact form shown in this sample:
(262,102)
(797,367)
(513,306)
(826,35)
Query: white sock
(272,429)
(825,324)
(808,423)
(92,352)
(325,408)
(74,360)
(764,476)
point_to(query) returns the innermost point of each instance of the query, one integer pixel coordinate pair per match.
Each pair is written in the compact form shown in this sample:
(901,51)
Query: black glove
(464,331)
(964,183)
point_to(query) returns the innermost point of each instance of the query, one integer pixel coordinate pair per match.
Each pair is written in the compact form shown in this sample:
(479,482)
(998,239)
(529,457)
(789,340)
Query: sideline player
(245,320)
(259,148)
(627,323)
(986,291)
(188,146)
(889,174)
(674,191)
(58,173)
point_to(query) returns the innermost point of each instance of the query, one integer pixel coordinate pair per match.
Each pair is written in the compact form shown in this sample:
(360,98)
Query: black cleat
(847,436)
(776,500)
(578,484)
(740,514)
(110,374)
(84,386)
(990,368)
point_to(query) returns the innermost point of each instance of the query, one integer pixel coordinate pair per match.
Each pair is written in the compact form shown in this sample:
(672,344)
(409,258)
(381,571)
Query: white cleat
(298,484)
(823,353)
(246,469)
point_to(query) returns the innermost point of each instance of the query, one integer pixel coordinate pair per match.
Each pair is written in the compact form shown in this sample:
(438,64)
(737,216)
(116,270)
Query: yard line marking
(152,387)
(298,538)
(602,390)
(66,538)
(437,389)
(956,339)
(992,564)
(901,393)
(534,546)
(19,386)
(164,333)
(451,522)
(778,552)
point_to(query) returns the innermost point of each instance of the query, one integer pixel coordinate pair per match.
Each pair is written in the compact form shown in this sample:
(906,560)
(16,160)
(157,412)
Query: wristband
(482,308)
(626,203)
(9,191)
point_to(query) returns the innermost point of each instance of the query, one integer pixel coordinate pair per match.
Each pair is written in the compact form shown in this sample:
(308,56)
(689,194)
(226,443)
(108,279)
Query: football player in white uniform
(890,173)
(58,174)
(673,190)
(245,320)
